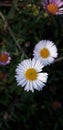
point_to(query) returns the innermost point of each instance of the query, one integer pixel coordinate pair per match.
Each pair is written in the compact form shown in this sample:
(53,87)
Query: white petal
(27,87)
(26,63)
(33,62)
(43,77)
(39,84)
(21,82)
(31,87)
(50,60)
(38,66)
(35,85)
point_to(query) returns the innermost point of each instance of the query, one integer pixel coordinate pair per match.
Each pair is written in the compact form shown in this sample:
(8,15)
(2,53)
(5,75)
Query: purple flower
(53,6)
(5,58)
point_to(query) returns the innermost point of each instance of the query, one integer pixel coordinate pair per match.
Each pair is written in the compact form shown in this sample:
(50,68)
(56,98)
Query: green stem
(58,60)
(12,35)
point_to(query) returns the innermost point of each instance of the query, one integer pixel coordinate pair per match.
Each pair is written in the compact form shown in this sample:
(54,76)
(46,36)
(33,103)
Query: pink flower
(5,58)
(53,6)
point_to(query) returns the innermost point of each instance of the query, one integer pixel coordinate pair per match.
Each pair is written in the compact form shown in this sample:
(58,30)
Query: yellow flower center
(31,74)
(52,8)
(3,58)
(44,53)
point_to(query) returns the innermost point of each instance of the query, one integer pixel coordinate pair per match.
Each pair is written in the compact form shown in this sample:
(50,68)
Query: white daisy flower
(45,51)
(28,74)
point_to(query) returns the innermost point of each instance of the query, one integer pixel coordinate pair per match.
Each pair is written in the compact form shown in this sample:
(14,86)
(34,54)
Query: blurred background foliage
(22,24)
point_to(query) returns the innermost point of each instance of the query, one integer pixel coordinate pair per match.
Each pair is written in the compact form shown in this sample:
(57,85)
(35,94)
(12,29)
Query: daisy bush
(31,64)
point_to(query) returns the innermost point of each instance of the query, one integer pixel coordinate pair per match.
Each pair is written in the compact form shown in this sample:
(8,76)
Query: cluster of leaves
(22,25)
